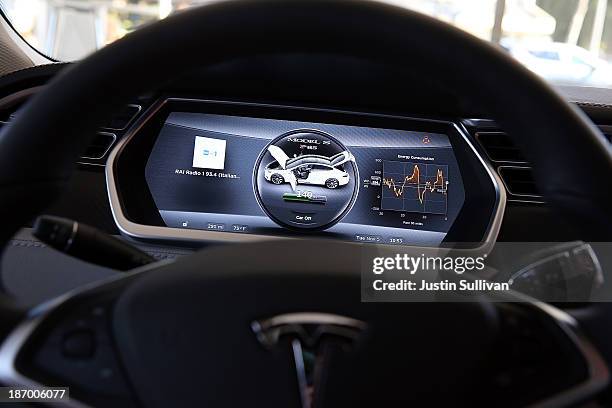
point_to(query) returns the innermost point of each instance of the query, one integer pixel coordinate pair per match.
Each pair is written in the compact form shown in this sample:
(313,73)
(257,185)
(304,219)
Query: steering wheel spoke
(68,342)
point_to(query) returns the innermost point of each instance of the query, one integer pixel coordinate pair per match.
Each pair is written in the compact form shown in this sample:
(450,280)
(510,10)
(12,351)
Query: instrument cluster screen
(274,176)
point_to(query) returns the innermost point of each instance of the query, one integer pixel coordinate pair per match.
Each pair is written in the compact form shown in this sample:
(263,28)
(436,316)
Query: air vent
(119,121)
(499,147)
(99,146)
(518,181)
(122,119)
(103,141)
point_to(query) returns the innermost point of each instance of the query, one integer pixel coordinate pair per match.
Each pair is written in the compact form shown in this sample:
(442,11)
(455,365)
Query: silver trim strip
(484,148)
(149,232)
(498,215)
(129,122)
(523,201)
(507,187)
(91,164)
(110,146)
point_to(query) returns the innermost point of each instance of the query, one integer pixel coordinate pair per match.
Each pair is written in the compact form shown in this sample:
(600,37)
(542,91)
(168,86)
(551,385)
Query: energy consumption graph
(414,187)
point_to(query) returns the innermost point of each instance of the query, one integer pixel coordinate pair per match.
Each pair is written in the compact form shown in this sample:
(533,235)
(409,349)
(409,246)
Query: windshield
(565,41)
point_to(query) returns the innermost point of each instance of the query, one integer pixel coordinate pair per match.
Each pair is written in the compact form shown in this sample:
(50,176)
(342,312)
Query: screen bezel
(472,225)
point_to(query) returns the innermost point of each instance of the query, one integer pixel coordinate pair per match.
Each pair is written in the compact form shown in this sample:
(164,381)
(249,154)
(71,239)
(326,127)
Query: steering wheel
(229,326)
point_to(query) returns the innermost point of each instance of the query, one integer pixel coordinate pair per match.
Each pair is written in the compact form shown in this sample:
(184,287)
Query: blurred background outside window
(566,41)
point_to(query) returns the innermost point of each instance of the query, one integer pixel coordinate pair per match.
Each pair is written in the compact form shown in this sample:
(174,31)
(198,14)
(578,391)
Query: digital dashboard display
(255,175)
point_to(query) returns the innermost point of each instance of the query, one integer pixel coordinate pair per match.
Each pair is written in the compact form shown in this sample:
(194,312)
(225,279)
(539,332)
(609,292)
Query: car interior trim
(110,146)
(129,122)
(14,342)
(512,194)
(160,233)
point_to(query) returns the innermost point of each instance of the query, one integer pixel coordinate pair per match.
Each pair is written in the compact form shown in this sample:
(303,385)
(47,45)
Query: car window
(71,29)
(549,55)
(321,167)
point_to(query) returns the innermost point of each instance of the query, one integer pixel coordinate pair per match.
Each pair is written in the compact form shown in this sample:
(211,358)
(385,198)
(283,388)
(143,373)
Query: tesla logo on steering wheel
(306,331)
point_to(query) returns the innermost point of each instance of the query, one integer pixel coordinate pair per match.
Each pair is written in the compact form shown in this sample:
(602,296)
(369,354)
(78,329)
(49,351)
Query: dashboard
(222,171)
(496,177)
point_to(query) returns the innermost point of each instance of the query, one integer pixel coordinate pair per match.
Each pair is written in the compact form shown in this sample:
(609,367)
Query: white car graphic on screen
(307,169)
